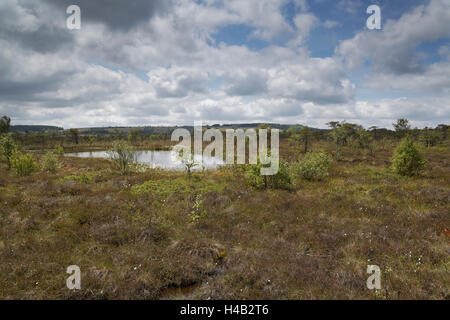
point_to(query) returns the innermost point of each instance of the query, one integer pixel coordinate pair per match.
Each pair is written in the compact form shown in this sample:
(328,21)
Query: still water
(156,159)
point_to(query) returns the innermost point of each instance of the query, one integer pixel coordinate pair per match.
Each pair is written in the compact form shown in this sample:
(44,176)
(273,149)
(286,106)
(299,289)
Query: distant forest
(143,129)
(34,128)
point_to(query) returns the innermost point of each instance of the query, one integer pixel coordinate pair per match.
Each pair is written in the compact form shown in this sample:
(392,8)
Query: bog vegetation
(343,198)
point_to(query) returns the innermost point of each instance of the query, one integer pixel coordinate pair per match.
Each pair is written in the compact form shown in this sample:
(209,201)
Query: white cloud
(97,75)
(317,80)
(435,79)
(177,82)
(304,23)
(265,15)
(393,49)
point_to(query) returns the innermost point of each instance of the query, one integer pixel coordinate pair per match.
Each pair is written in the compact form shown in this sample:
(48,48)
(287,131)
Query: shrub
(122,156)
(280,180)
(408,160)
(50,163)
(313,166)
(188,160)
(429,137)
(366,140)
(59,151)
(83,177)
(7,148)
(5,124)
(23,164)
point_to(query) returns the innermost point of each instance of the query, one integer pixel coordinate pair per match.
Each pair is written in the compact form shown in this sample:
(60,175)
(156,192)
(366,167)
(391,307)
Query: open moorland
(154,234)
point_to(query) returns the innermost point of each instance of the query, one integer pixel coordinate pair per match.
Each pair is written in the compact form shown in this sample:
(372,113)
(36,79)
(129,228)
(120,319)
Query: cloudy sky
(143,62)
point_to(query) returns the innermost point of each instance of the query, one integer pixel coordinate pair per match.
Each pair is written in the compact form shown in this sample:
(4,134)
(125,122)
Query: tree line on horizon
(342,134)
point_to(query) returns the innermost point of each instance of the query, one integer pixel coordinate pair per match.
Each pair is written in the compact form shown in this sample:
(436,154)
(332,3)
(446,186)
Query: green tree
(313,166)
(337,134)
(429,137)
(50,163)
(373,130)
(122,155)
(188,162)
(305,137)
(444,130)
(134,135)
(280,180)
(23,164)
(59,150)
(7,149)
(350,132)
(75,135)
(402,127)
(5,124)
(366,140)
(91,140)
(407,159)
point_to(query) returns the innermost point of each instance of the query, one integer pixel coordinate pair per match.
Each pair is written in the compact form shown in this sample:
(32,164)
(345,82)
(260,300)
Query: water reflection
(167,160)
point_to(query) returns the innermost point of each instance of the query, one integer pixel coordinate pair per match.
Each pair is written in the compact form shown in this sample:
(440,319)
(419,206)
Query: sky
(173,62)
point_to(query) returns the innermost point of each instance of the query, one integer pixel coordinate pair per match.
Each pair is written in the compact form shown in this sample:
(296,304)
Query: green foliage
(343,133)
(366,140)
(253,176)
(165,188)
(337,135)
(5,123)
(59,151)
(313,166)
(280,180)
(83,177)
(137,167)
(50,163)
(122,155)
(429,137)
(444,130)
(188,161)
(134,135)
(75,135)
(408,160)
(23,164)
(302,137)
(7,148)
(401,125)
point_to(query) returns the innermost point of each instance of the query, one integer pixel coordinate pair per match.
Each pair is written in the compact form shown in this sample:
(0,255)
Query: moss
(164,188)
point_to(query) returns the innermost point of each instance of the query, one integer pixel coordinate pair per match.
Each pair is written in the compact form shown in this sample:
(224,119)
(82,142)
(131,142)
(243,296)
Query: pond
(155,159)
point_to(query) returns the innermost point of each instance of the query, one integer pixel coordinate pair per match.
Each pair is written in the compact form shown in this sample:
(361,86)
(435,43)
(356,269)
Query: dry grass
(313,242)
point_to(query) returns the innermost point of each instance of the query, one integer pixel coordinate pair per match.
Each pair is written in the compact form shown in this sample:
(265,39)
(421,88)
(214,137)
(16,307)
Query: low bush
(23,164)
(59,150)
(83,177)
(122,155)
(280,180)
(408,160)
(50,163)
(165,188)
(313,166)
(7,148)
